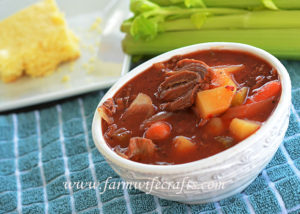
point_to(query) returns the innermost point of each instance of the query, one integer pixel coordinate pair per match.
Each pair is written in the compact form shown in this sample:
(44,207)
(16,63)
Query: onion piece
(102,112)
(157,117)
(228,68)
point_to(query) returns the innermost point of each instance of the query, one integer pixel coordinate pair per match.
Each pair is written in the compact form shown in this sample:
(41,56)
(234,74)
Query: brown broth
(184,122)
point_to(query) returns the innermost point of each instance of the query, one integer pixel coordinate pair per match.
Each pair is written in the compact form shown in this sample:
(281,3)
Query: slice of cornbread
(35,41)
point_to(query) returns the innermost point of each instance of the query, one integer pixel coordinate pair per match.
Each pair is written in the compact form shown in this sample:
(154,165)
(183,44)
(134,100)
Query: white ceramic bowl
(215,177)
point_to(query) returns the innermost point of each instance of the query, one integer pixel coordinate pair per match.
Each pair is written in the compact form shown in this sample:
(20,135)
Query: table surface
(42,147)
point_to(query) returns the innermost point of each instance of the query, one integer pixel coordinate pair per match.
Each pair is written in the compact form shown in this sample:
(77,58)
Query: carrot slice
(158,131)
(268,90)
(249,110)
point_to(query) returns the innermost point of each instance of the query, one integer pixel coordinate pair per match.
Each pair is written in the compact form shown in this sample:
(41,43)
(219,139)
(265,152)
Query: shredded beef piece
(141,105)
(193,65)
(178,91)
(107,110)
(140,148)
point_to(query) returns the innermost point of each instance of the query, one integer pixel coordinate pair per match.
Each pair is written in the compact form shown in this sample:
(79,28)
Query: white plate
(99,66)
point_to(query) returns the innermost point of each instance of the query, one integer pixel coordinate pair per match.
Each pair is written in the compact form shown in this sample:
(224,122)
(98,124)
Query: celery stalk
(185,12)
(250,20)
(245,4)
(284,43)
(155,29)
(147,16)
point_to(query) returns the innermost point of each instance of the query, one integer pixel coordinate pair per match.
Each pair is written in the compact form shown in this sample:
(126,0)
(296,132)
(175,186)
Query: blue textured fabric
(43,148)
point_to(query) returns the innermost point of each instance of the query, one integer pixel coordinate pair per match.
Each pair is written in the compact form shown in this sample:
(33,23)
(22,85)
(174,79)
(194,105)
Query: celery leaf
(198,19)
(143,28)
(269,4)
(194,3)
(140,6)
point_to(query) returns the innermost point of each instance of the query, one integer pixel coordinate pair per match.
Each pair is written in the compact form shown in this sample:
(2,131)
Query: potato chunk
(222,78)
(242,129)
(215,126)
(240,96)
(183,145)
(215,101)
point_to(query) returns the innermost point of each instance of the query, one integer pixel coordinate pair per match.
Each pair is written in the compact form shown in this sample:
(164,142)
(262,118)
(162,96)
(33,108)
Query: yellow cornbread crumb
(91,48)
(95,25)
(65,78)
(71,66)
(92,59)
(35,41)
(89,67)
(85,66)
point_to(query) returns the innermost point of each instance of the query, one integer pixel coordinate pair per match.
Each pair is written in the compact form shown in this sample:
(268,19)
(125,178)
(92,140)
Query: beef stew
(190,107)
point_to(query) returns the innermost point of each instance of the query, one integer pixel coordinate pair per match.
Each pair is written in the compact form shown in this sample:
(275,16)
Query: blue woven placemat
(43,148)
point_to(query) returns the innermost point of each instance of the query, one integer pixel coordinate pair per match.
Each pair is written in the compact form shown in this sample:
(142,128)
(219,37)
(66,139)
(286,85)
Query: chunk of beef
(110,130)
(120,135)
(141,108)
(179,90)
(182,102)
(107,110)
(140,148)
(193,65)
(177,84)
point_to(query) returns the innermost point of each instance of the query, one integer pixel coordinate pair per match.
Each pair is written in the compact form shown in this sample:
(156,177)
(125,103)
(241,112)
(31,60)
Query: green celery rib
(250,20)
(181,12)
(283,43)
(287,4)
(246,4)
